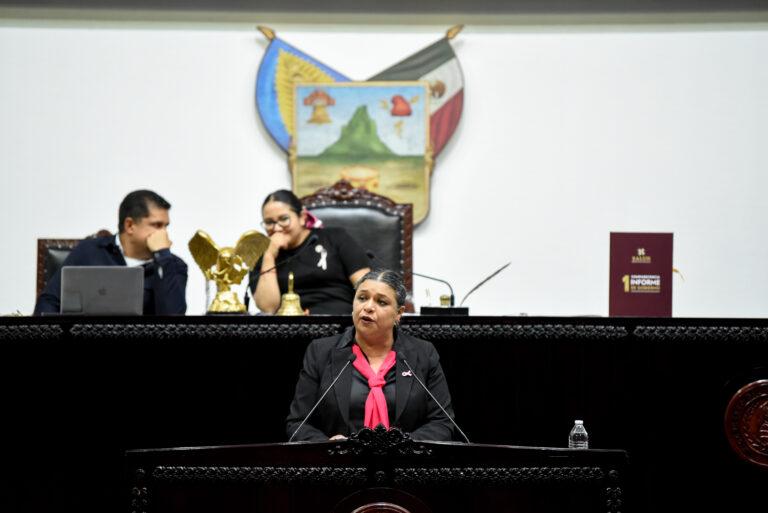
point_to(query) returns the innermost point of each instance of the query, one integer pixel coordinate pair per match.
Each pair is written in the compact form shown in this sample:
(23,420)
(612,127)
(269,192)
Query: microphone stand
(453,298)
(413,373)
(432,310)
(351,358)
(457,310)
(442,310)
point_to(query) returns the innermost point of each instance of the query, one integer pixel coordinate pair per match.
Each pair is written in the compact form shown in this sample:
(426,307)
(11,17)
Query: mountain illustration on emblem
(358,137)
(374,136)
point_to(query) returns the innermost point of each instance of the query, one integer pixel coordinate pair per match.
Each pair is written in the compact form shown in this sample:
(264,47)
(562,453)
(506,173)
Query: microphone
(351,358)
(452,310)
(494,273)
(435,399)
(311,240)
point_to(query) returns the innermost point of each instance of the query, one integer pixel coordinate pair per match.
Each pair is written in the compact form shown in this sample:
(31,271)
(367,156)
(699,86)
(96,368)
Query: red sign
(641,275)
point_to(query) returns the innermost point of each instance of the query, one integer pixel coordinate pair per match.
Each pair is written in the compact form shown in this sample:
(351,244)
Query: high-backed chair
(51,254)
(381,226)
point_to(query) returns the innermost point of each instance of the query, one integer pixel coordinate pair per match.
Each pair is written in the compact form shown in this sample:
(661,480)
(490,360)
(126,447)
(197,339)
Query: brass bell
(290,303)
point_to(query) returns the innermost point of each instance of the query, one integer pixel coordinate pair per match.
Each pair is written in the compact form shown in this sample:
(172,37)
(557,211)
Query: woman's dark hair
(391,278)
(287,197)
(136,206)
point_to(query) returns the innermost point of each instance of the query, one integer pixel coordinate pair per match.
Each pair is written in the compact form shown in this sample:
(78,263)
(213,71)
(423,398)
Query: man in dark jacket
(142,240)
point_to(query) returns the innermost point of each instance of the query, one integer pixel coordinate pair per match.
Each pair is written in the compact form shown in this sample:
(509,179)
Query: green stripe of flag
(418,64)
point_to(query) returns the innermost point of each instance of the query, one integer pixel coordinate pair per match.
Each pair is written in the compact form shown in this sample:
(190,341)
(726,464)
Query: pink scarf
(376,404)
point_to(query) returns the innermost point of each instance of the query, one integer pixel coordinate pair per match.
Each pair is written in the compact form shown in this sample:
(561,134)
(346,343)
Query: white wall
(568,133)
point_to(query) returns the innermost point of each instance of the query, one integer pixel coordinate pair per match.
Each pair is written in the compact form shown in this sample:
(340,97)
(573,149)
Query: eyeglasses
(284,221)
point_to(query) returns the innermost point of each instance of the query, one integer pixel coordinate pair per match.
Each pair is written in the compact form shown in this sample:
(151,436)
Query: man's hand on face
(158,240)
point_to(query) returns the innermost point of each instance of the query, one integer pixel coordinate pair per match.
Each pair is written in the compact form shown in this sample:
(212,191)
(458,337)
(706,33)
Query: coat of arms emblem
(382,134)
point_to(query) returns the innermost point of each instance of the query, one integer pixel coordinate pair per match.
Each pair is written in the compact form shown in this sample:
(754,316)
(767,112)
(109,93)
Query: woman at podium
(326,263)
(374,367)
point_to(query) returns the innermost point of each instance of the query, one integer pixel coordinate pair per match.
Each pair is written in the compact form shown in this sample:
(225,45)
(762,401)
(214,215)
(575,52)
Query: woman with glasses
(326,263)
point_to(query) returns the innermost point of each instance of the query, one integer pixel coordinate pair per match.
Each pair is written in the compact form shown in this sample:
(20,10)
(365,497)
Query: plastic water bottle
(578,438)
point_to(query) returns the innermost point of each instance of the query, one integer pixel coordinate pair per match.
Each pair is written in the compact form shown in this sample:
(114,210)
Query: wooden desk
(371,468)
(76,393)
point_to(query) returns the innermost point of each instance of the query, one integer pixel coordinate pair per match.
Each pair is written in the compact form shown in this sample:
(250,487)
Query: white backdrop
(568,133)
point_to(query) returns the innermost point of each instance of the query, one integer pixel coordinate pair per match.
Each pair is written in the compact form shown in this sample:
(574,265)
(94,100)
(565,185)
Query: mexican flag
(438,65)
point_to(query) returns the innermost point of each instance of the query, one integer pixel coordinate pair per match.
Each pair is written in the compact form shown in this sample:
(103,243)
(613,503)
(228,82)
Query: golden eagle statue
(227,266)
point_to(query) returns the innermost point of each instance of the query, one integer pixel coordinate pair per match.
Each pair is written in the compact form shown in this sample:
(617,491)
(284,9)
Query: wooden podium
(375,471)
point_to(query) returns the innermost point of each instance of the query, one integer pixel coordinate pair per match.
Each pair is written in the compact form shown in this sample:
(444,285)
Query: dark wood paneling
(75,393)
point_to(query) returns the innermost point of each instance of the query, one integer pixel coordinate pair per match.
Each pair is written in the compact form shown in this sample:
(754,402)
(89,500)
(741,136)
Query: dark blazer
(165,277)
(415,412)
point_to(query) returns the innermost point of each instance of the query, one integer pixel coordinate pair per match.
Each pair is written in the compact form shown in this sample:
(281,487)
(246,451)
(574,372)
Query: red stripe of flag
(444,121)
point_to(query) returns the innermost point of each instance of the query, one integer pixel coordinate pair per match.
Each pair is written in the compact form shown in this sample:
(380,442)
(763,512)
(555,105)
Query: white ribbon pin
(406,374)
(323,257)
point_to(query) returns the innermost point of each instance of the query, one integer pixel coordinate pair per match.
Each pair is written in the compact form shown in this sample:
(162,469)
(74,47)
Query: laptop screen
(102,290)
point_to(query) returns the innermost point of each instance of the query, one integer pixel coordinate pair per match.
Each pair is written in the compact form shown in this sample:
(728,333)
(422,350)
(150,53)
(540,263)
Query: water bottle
(578,438)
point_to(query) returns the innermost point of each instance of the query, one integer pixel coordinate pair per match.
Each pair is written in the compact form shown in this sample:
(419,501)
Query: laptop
(102,290)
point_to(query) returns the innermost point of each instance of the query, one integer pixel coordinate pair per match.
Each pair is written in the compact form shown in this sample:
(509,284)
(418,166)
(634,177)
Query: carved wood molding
(515,331)
(139,498)
(203,331)
(31,332)
(380,442)
(614,499)
(342,192)
(380,507)
(731,334)
(247,474)
(497,476)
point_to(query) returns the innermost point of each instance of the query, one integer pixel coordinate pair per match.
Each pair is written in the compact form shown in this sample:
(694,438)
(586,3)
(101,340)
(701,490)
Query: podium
(375,471)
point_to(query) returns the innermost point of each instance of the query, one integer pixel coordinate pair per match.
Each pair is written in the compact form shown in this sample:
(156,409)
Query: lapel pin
(407,374)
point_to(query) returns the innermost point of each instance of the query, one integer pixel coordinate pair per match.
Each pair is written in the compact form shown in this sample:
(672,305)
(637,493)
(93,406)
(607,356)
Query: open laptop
(102,290)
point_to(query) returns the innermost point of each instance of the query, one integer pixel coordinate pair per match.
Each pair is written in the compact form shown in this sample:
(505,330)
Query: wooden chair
(382,227)
(51,254)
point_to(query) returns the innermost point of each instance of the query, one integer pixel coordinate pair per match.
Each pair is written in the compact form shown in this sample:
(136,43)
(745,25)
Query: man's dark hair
(136,206)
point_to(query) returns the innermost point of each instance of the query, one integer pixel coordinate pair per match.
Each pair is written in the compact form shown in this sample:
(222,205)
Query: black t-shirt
(321,271)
